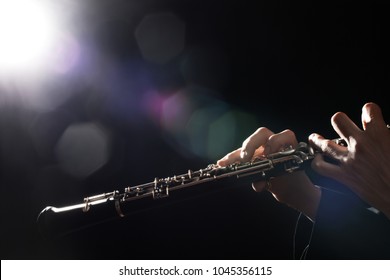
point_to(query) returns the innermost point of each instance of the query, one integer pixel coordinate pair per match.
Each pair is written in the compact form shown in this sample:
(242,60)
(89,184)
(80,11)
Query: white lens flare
(27,32)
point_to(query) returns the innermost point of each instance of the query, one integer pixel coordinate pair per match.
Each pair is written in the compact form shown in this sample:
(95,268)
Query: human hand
(295,189)
(364,164)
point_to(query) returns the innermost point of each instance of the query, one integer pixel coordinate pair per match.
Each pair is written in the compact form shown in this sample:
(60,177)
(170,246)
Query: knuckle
(289,133)
(263,129)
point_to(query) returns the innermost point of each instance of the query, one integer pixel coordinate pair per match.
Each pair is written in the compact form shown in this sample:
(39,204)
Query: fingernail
(312,136)
(243,154)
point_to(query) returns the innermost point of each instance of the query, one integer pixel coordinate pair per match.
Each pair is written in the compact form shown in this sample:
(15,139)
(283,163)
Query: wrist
(299,193)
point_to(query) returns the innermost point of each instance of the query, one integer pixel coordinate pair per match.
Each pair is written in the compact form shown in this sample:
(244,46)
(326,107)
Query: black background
(291,64)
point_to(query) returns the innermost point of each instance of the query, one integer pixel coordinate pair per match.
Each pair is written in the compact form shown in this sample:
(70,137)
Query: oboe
(260,168)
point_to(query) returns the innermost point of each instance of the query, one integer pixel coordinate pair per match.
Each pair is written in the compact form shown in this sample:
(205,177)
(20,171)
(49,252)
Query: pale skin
(363,165)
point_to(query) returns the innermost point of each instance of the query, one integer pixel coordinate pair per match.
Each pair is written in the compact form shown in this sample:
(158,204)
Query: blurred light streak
(160,37)
(197,122)
(185,116)
(42,94)
(66,54)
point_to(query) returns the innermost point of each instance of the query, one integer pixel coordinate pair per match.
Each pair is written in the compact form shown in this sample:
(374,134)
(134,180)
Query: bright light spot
(228,131)
(222,134)
(176,111)
(83,149)
(27,30)
(186,118)
(199,129)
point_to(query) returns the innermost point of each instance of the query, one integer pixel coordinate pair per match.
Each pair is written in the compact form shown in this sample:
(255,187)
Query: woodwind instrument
(261,168)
